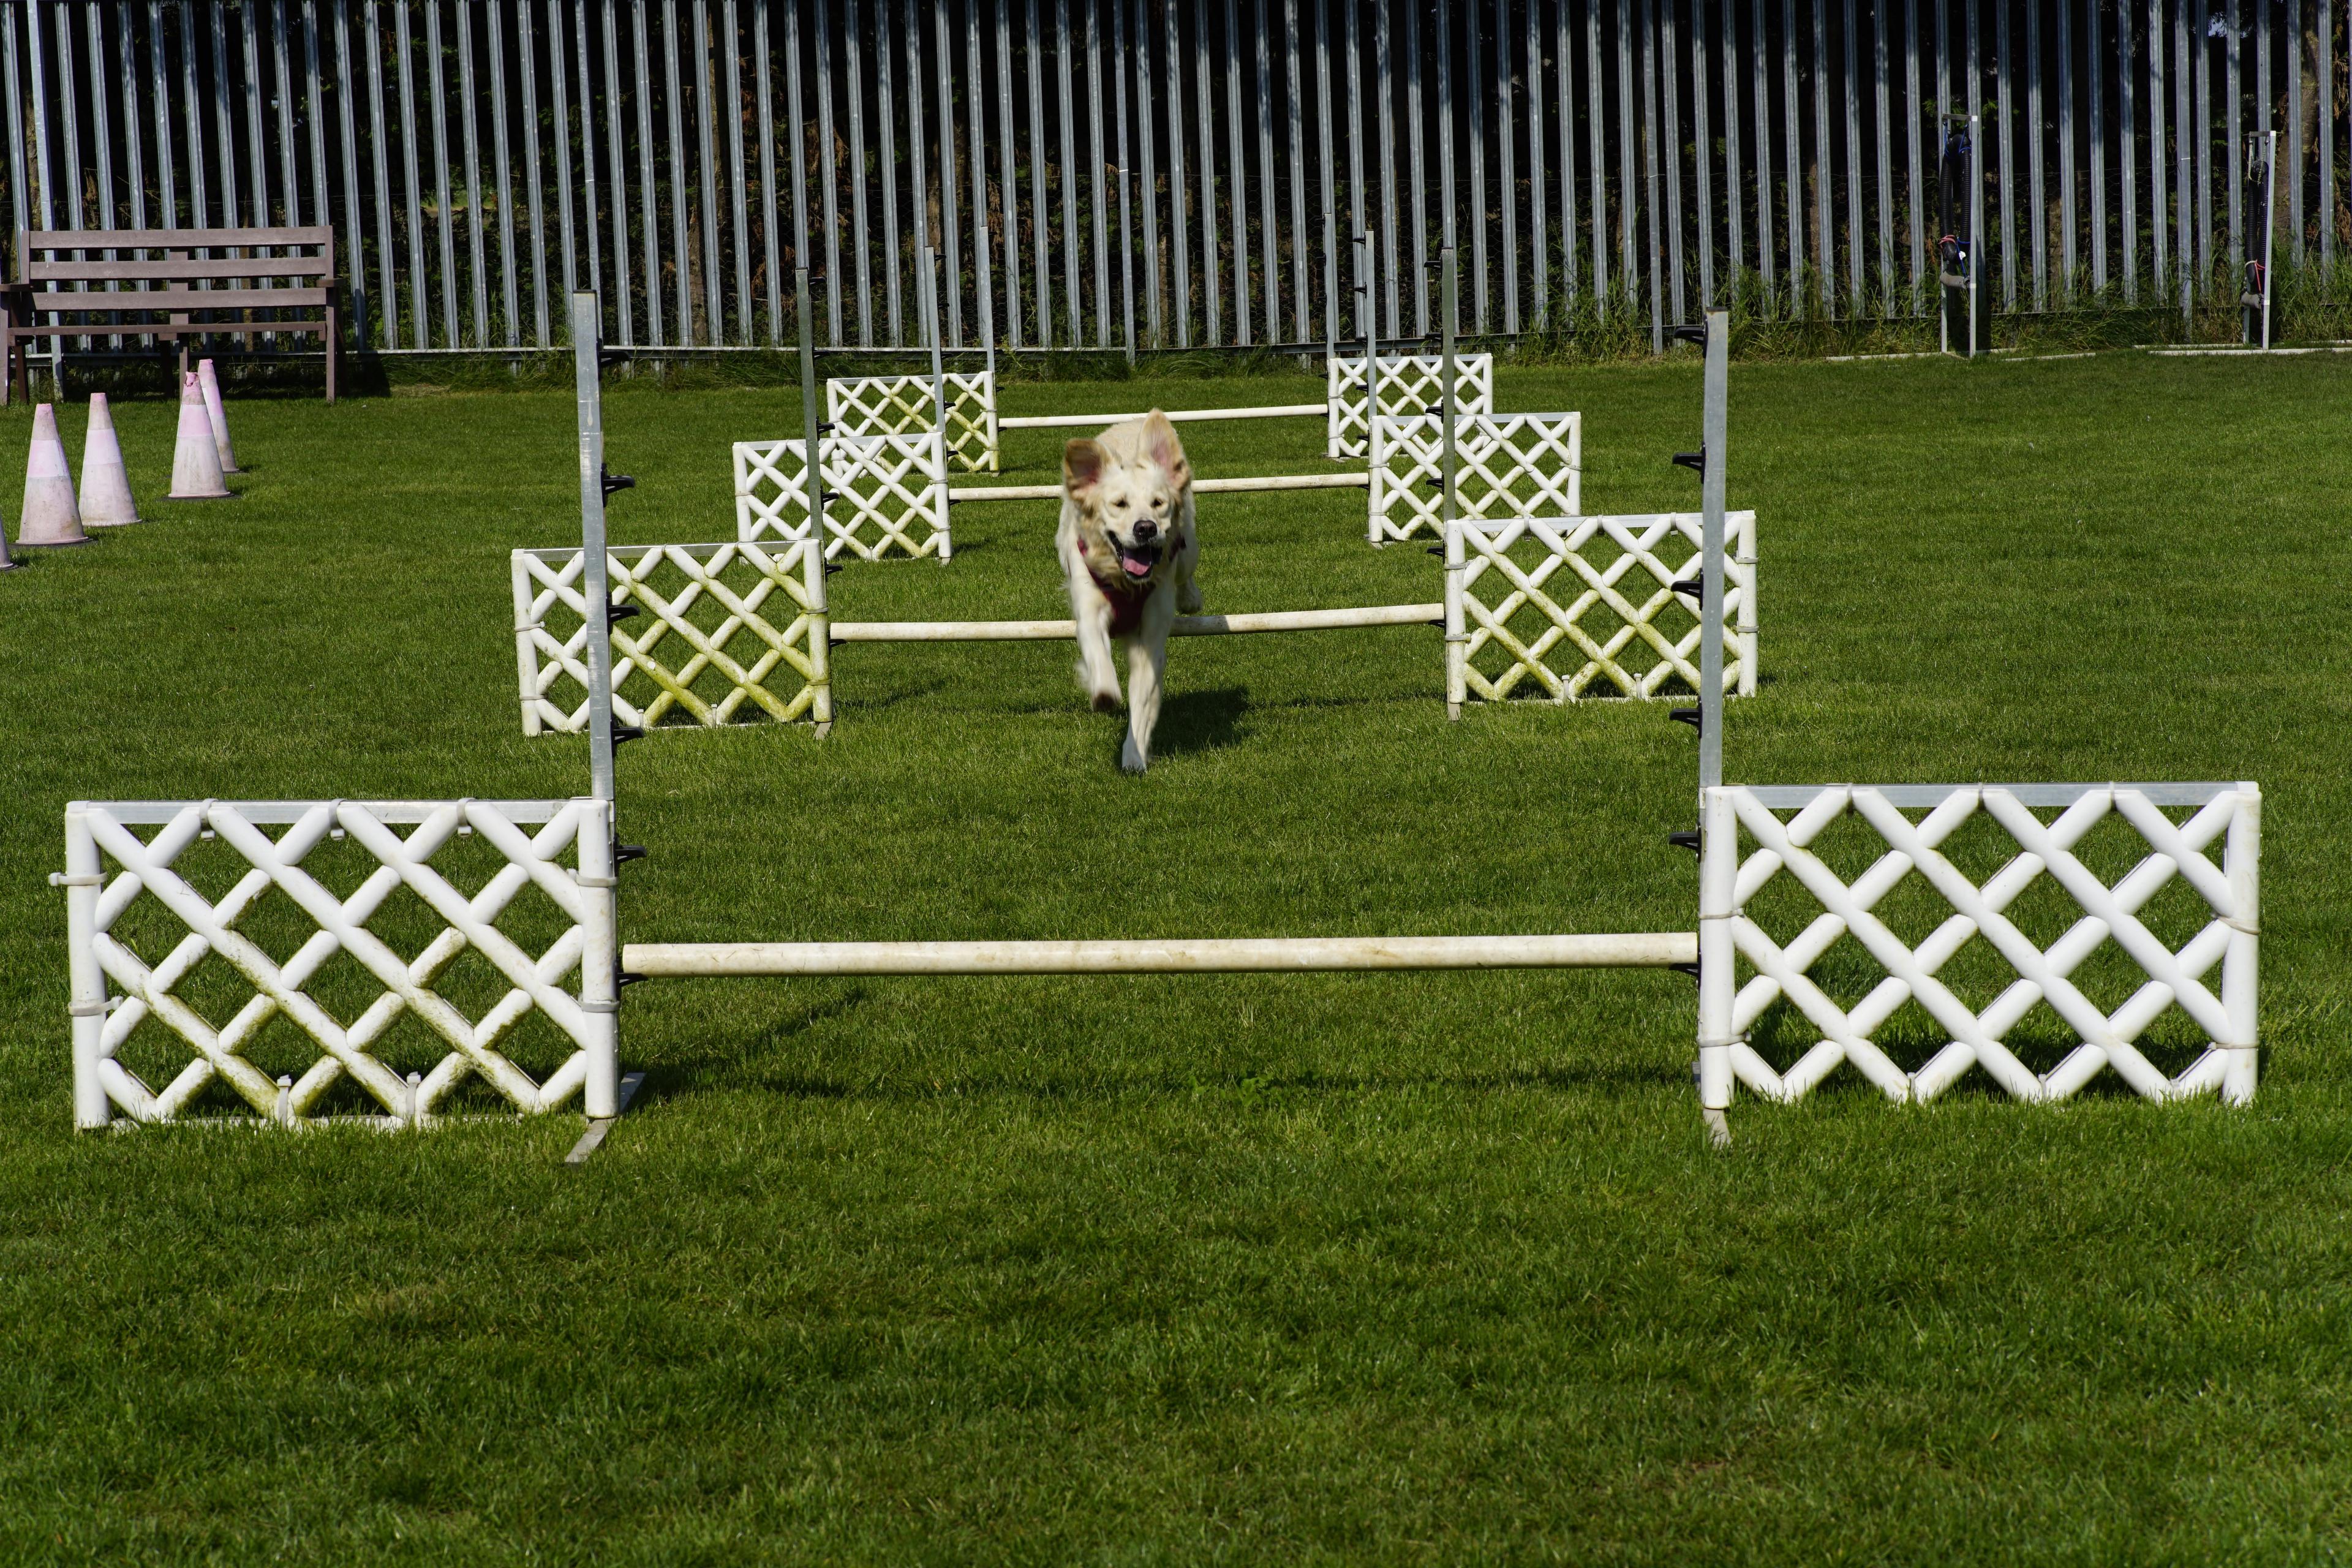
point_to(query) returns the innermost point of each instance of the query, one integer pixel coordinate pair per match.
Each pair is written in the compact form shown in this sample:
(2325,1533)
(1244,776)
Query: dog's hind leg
(1188,591)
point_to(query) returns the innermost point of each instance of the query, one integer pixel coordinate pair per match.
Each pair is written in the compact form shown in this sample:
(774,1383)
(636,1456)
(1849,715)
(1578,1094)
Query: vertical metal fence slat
(1767,252)
(649,214)
(918,192)
(1007,192)
(2155,143)
(615,139)
(1915,121)
(1791,115)
(477,245)
(1538,227)
(134,162)
(1703,144)
(2127,114)
(1040,239)
(1563,53)
(2294,64)
(1735,191)
(166,164)
(256,139)
(1119,59)
(826,163)
(2327,132)
(420,306)
(560,125)
(1448,198)
(983,258)
(2234,148)
(1972,102)
(2192,250)
(1631,203)
(282,80)
(2096,119)
(2007,112)
(2258,34)
(435,101)
(1412,269)
(1300,248)
(502,148)
(534,186)
(886,163)
(1099,159)
(1147,139)
(732,38)
(588,205)
(2037,224)
(1180,247)
(354,249)
(223,115)
(796,123)
(1665,71)
(1237,182)
(1824,187)
(1854,246)
(951,219)
(1885,125)
(1073,288)
(1648,65)
(37,53)
(2198,151)
(1384,109)
(1474,97)
(19,204)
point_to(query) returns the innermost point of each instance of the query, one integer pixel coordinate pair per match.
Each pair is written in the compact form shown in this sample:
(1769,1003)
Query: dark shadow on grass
(1207,721)
(915,1085)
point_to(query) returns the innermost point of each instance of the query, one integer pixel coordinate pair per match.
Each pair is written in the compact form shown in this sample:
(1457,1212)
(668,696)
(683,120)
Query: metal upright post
(812,573)
(1977,325)
(1456,632)
(587,350)
(939,372)
(1710,629)
(1445,371)
(1719,828)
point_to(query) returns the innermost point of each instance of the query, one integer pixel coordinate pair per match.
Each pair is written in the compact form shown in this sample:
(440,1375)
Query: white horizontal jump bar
(1268,411)
(1186,626)
(1795,797)
(1620,951)
(1210,486)
(155,813)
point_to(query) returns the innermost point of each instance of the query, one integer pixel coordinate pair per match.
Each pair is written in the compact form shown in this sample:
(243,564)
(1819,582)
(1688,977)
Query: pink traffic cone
(195,461)
(105,486)
(219,417)
(50,517)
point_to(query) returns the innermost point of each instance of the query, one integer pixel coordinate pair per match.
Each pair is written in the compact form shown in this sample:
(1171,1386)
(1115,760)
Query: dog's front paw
(1106,701)
(1131,759)
(1189,600)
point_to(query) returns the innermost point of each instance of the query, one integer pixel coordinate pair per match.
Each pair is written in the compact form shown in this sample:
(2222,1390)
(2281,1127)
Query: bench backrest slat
(177,269)
(168,238)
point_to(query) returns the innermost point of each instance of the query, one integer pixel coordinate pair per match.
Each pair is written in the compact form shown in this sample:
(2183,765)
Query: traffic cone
(105,487)
(195,461)
(219,417)
(50,516)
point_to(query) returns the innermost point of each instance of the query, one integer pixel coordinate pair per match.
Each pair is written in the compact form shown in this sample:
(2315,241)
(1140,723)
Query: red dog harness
(1127,602)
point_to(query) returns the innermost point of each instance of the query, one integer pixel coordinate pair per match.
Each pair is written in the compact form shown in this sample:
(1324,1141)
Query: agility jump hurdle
(570,982)
(1570,610)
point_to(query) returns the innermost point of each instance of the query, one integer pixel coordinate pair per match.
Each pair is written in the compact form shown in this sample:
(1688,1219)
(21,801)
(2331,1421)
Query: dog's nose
(1145,531)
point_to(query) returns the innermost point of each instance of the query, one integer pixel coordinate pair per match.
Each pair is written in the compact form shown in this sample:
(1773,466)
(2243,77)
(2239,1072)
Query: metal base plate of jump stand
(594,1138)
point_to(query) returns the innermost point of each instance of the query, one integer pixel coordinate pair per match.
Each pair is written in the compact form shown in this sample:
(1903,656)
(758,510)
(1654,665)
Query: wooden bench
(256,275)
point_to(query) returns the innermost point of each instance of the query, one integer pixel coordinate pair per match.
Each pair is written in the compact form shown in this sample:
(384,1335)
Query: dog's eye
(1118,503)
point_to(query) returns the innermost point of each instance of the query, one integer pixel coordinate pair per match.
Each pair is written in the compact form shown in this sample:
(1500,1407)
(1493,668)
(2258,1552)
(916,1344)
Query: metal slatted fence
(1109,174)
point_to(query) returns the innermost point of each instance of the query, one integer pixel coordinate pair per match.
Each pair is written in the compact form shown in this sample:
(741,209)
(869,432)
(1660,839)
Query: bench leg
(332,335)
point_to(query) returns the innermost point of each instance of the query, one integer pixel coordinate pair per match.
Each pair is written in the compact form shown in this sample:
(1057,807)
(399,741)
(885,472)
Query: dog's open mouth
(1138,560)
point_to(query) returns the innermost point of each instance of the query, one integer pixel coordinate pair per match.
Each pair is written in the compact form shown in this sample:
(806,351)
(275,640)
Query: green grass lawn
(1413,1269)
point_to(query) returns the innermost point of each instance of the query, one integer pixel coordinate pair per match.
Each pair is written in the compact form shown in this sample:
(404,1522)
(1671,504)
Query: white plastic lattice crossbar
(747,618)
(883,494)
(1505,466)
(1783,825)
(1574,604)
(97,833)
(1410,385)
(905,404)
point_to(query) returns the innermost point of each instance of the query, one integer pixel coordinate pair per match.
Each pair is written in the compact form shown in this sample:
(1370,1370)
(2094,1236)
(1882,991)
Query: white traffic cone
(219,417)
(50,517)
(196,460)
(105,486)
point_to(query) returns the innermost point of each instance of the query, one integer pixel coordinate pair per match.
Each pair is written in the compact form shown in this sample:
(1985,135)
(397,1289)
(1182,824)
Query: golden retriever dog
(1128,547)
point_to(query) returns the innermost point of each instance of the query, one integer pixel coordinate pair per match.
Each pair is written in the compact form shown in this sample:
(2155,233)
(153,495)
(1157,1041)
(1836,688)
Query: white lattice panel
(1410,385)
(1784,826)
(1505,466)
(1568,605)
(117,990)
(903,405)
(883,494)
(719,627)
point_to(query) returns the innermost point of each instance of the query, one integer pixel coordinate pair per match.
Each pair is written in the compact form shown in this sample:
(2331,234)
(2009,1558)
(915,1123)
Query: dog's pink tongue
(1136,568)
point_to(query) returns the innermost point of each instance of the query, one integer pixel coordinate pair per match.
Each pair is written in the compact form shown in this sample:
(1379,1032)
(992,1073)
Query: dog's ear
(1161,445)
(1082,466)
